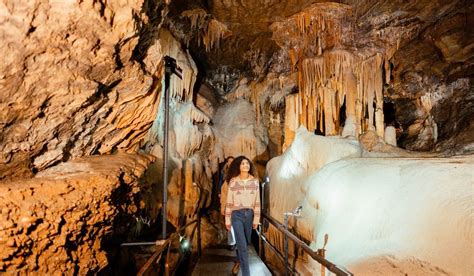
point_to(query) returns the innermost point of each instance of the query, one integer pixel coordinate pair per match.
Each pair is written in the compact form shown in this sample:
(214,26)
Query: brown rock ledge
(56,221)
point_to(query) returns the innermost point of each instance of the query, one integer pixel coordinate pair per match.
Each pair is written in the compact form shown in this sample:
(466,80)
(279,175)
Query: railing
(166,244)
(317,257)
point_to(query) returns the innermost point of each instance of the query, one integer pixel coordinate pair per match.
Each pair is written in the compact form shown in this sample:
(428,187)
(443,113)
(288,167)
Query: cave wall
(61,220)
(72,83)
(85,78)
(438,66)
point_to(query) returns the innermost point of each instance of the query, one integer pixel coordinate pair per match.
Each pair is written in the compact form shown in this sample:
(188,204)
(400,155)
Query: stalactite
(214,33)
(319,24)
(387,69)
(211,31)
(370,89)
(327,71)
(357,79)
(197,17)
(327,81)
(293,59)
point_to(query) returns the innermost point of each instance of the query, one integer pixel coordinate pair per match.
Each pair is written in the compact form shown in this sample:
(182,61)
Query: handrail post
(286,246)
(260,245)
(322,252)
(330,266)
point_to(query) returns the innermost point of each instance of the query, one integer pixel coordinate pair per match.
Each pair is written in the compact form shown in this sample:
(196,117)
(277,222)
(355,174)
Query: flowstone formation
(390,215)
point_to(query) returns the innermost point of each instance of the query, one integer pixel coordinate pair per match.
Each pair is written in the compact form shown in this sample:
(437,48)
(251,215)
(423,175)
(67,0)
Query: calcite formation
(58,221)
(370,55)
(382,215)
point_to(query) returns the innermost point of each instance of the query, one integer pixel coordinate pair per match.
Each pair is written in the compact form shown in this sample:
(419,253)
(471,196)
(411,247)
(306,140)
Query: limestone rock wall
(72,80)
(58,221)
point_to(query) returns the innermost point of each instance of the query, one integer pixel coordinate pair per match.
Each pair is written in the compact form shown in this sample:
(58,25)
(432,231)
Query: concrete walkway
(219,261)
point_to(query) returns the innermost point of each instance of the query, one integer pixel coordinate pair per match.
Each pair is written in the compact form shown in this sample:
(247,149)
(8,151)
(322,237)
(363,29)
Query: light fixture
(185,245)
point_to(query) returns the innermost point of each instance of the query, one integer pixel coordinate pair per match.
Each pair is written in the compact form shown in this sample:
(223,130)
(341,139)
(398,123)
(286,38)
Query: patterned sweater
(243,194)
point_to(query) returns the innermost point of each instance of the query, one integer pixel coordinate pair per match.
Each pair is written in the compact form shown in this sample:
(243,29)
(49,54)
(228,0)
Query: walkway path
(219,261)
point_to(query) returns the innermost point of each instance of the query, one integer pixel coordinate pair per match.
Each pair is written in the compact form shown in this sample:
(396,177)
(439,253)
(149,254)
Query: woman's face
(244,166)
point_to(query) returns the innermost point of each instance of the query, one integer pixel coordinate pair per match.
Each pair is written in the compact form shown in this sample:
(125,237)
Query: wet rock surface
(57,221)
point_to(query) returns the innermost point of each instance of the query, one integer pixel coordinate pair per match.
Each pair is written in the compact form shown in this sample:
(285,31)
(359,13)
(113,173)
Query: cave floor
(219,261)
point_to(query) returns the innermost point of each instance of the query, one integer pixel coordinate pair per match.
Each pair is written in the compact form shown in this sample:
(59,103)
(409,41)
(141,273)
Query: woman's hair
(234,169)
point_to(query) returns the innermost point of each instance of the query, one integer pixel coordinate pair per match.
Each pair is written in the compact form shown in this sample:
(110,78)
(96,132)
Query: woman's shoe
(236,268)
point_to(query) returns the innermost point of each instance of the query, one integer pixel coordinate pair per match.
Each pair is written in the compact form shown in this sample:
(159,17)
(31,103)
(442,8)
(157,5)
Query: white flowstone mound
(391,216)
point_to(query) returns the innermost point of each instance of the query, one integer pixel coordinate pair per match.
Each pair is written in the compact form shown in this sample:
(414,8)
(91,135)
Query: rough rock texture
(82,78)
(57,221)
(71,81)
(427,50)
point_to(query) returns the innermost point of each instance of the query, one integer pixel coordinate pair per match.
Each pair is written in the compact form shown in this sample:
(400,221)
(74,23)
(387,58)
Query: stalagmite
(351,125)
(390,136)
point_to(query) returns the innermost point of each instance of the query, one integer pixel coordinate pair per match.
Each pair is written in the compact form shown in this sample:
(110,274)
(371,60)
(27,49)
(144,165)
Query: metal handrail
(163,246)
(272,247)
(329,265)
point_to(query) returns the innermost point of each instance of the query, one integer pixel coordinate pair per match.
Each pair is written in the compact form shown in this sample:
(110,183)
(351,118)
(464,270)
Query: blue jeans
(242,221)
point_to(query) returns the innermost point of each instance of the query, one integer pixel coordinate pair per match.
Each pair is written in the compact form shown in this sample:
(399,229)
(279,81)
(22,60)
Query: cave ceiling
(429,33)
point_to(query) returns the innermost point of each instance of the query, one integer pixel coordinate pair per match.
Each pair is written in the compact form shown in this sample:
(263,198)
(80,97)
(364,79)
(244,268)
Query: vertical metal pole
(286,246)
(165,148)
(323,268)
(261,245)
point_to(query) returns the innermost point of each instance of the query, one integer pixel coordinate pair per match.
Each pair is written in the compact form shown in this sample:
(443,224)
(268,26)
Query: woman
(243,206)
